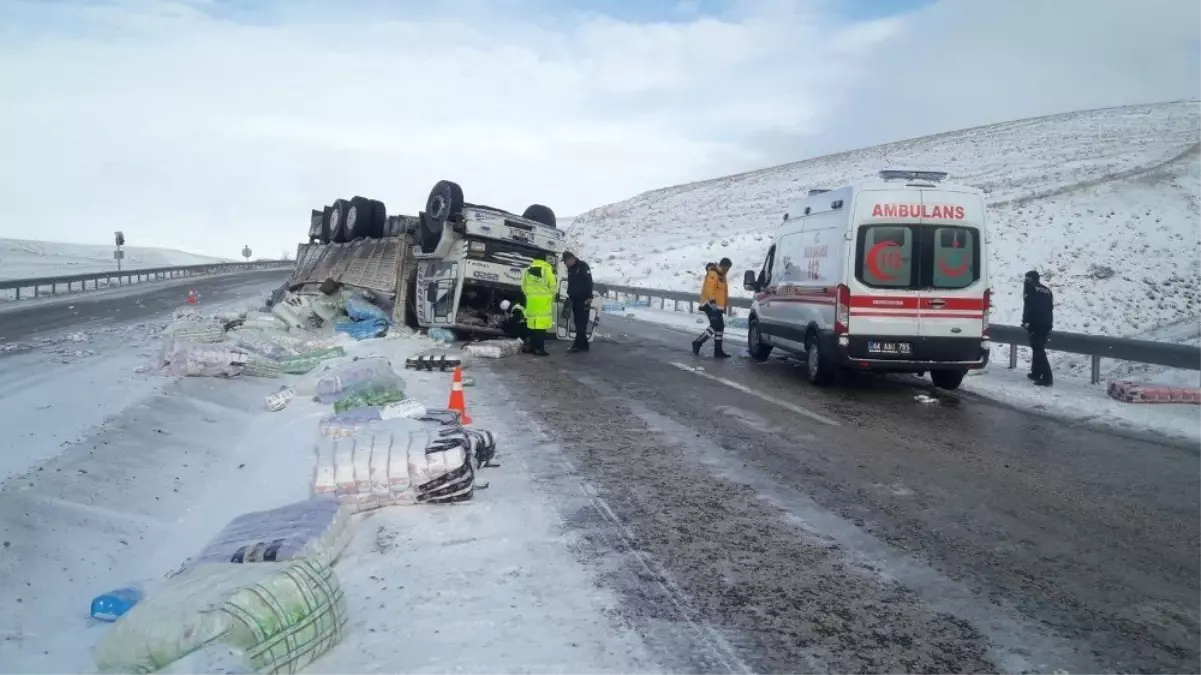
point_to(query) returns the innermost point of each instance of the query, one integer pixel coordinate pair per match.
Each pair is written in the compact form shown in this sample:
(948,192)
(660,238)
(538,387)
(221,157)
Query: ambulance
(887,276)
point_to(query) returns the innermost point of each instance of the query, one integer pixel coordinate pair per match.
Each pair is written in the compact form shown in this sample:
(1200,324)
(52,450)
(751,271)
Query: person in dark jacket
(515,324)
(1038,310)
(579,294)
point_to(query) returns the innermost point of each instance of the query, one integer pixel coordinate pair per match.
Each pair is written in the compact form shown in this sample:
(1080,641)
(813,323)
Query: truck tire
(540,214)
(358,218)
(379,216)
(338,230)
(444,203)
(326,234)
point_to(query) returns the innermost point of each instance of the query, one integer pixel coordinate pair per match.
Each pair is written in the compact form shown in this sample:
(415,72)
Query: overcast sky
(209,124)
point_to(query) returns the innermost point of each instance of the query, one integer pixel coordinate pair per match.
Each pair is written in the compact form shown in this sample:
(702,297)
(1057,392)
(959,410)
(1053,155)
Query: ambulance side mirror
(749,281)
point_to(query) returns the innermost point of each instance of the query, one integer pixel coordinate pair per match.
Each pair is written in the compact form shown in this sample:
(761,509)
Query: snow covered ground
(1104,203)
(22,259)
(1072,397)
(113,474)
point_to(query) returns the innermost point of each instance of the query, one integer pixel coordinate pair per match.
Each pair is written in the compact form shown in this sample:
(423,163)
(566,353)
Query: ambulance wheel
(947,379)
(754,341)
(818,369)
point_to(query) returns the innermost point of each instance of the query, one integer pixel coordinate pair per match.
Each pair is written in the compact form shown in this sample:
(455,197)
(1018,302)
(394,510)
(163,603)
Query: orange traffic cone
(192,298)
(457,402)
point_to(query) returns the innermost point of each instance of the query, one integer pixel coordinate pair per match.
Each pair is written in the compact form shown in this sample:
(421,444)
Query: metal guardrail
(1096,347)
(132,276)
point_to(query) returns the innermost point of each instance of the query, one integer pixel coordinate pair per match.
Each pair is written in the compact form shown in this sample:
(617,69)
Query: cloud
(208,124)
(954,64)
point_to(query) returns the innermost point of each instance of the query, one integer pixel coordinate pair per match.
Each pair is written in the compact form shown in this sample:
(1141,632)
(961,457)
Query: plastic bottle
(114,604)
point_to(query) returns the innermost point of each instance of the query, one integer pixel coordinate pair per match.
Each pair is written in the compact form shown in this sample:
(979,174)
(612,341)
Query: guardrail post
(19,292)
(1095,375)
(1013,356)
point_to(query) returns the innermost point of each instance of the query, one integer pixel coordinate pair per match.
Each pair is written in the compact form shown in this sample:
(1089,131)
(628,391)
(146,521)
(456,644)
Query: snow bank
(20,259)
(1104,203)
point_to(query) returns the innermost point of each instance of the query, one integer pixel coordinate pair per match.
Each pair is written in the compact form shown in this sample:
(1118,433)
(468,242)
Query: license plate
(899,348)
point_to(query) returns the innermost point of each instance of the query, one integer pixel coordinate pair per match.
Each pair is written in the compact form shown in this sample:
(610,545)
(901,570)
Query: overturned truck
(451,266)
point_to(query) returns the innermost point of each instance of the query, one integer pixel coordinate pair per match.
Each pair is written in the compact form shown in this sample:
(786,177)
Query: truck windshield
(912,257)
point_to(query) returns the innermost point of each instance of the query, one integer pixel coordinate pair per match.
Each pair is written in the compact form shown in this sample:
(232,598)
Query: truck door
(440,286)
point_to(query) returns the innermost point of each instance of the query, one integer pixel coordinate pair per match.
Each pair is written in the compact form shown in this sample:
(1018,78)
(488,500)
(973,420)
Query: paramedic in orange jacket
(715,296)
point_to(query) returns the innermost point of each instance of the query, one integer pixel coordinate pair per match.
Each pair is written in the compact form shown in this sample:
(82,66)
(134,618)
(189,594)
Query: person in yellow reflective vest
(538,284)
(715,297)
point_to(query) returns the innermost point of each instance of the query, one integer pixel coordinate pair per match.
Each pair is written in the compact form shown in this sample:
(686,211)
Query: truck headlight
(476,247)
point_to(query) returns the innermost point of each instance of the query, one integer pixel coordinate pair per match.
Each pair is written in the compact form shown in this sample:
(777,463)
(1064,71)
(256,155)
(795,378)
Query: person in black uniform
(1038,309)
(514,326)
(579,294)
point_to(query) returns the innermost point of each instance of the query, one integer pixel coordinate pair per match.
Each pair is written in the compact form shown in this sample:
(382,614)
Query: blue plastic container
(114,604)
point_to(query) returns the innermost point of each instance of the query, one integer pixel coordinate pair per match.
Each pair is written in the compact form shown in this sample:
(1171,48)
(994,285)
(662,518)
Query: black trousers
(1040,367)
(537,340)
(717,325)
(580,314)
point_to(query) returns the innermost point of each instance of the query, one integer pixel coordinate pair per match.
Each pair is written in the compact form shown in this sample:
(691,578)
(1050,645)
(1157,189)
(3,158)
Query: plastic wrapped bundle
(263,321)
(350,422)
(315,528)
(280,616)
(255,341)
(197,329)
(333,383)
(391,464)
(299,365)
(495,349)
(195,360)
(377,391)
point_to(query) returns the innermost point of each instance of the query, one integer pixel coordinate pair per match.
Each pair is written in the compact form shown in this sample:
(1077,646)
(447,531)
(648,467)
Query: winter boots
(718,352)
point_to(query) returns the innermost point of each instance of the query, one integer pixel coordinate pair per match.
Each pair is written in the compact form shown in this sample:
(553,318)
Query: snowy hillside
(1104,203)
(21,259)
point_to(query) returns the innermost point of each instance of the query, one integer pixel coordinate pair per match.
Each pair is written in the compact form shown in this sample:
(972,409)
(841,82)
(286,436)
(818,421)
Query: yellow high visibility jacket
(539,295)
(715,287)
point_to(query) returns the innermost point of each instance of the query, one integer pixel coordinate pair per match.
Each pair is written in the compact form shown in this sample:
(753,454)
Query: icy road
(753,522)
(653,512)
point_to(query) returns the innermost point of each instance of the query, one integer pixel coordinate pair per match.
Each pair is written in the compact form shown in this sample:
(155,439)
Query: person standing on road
(1038,308)
(715,296)
(579,293)
(538,284)
(515,324)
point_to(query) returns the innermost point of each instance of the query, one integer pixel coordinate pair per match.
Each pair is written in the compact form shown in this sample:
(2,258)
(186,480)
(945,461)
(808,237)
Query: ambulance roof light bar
(906,174)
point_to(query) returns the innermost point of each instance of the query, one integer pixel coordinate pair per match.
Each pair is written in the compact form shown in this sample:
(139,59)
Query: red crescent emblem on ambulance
(956,271)
(892,259)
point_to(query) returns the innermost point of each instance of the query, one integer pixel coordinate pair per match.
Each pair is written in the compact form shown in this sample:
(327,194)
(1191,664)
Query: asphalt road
(762,524)
(93,309)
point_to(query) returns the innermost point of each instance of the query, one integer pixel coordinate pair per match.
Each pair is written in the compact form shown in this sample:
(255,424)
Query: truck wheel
(818,369)
(444,203)
(540,214)
(947,379)
(379,216)
(338,230)
(325,231)
(358,218)
(754,341)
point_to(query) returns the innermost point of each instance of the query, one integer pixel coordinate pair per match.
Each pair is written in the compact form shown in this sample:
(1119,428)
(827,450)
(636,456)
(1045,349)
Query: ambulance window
(885,257)
(955,256)
(789,252)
